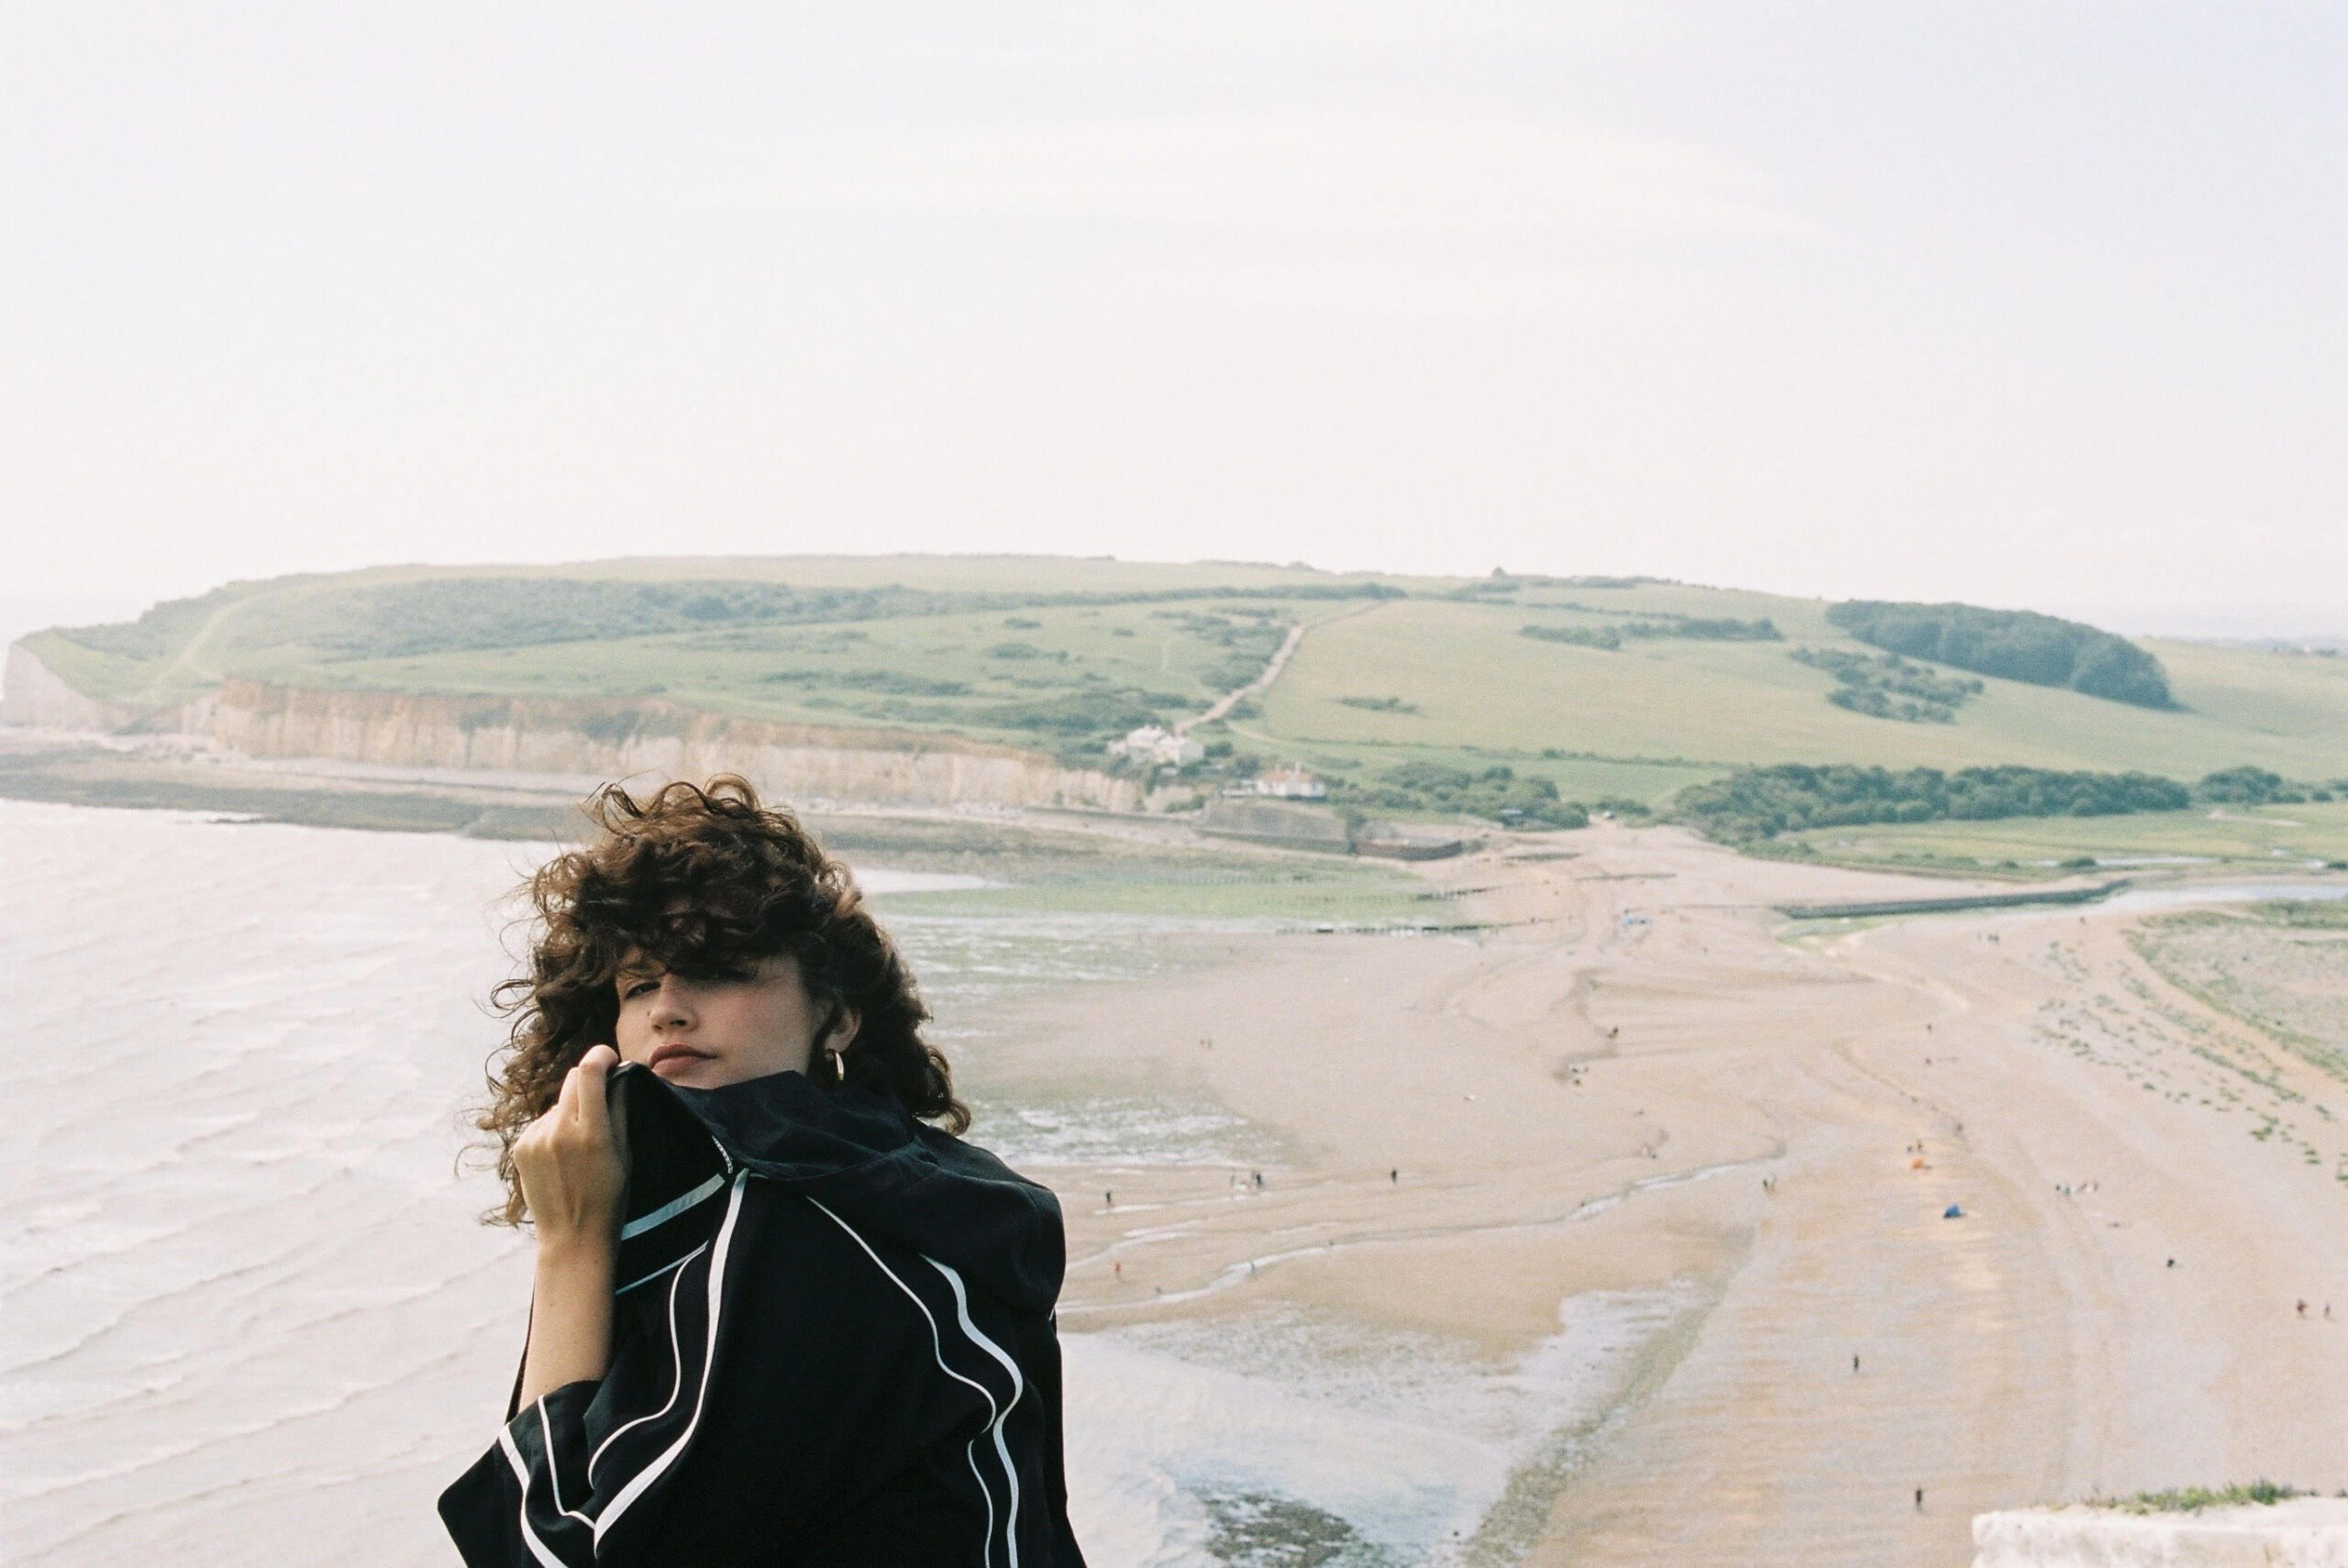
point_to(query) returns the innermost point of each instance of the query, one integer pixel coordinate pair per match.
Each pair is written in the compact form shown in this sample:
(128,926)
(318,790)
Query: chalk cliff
(31,693)
(624,736)
(611,738)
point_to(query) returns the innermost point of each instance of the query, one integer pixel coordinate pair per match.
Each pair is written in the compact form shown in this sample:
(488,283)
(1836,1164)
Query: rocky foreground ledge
(2301,1532)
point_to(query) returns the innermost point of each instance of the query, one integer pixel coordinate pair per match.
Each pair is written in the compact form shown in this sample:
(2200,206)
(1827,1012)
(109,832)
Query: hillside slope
(1600,686)
(1466,677)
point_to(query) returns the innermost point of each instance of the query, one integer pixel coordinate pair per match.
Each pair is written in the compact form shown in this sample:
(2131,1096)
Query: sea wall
(629,738)
(1945,906)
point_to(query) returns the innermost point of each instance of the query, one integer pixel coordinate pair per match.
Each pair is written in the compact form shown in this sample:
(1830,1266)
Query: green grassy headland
(1060,655)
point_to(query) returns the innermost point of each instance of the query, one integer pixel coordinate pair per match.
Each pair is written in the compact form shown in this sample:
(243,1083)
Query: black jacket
(833,1344)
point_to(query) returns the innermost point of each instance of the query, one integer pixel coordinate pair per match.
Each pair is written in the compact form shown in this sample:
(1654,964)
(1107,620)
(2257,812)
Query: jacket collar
(860,1153)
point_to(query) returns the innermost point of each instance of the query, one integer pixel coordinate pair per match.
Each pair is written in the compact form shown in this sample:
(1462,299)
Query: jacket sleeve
(528,1499)
(572,1466)
(1044,1360)
(757,1392)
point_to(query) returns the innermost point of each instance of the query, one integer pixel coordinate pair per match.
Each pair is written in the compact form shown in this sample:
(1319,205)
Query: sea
(247,1313)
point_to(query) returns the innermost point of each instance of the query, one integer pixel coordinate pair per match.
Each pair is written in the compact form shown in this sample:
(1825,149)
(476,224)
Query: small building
(1150,744)
(1290,783)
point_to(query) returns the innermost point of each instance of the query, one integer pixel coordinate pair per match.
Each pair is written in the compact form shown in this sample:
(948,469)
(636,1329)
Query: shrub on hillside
(1761,803)
(1696,628)
(403,619)
(2013,645)
(1885,686)
(2248,787)
(891,682)
(1495,793)
(1094,711)
(1709,628)
(1605,637)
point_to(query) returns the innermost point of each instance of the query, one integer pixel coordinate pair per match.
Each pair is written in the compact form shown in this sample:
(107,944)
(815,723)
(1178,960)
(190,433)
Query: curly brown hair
(703,880)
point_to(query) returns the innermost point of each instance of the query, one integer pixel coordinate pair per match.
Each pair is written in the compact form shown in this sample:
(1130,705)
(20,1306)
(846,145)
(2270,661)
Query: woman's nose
(670,1005)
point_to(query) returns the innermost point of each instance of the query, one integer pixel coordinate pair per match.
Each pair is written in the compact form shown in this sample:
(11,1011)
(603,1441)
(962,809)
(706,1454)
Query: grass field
(272,629)
(2278,967)
(1441,673)
(2275,837)
(1475,680)
(815,674)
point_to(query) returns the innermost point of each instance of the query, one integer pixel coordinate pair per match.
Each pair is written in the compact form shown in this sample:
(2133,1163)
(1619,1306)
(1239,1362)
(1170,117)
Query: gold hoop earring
(839,1069)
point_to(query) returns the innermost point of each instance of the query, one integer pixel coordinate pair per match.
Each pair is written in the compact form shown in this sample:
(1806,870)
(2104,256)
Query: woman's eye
(636,987)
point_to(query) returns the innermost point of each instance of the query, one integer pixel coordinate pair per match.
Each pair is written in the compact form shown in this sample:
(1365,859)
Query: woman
(777,1317)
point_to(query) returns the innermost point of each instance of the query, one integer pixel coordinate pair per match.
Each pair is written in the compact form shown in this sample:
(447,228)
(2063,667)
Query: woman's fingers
(572,1160)
(586,1084)
(566,1098)
(617,1117)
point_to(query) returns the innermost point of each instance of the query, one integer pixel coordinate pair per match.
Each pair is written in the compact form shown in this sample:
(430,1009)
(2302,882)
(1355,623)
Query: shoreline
(74,768)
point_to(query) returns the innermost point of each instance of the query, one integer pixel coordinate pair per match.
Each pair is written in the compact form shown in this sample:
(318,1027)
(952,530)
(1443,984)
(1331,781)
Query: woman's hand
(573,1165)
(572,1161)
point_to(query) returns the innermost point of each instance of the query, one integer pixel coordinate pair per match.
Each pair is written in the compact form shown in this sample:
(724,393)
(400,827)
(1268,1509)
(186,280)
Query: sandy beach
(1551,1243)
(1482,1132)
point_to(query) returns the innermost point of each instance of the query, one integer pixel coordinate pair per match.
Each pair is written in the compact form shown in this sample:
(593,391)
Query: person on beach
(782,1313)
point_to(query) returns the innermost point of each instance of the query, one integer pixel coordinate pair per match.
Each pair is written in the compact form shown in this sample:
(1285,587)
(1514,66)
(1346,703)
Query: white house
(1151,744)
(1291,783)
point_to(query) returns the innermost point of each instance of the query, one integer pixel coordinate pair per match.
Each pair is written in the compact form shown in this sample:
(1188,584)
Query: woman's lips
(674,1058)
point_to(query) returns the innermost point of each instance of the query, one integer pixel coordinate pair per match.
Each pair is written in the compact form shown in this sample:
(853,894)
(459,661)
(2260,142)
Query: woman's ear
(840,1033)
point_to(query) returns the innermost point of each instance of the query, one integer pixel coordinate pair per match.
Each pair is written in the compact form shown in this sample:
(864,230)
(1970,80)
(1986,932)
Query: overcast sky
(2024,303)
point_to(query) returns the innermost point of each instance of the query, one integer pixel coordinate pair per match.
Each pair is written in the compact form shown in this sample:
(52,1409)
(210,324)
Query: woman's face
(706,1034)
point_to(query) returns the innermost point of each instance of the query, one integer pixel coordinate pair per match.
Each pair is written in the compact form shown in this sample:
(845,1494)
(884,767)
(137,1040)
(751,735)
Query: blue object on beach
(1951,1212)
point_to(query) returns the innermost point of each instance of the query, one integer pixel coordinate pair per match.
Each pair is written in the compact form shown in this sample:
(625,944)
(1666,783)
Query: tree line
(2013,645)
(1761,803)
(1497,793)
(1698,628)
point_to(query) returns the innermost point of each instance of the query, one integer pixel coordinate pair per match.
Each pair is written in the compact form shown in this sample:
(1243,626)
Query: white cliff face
(612,738)
(2304,1532)
(627,738)
(31,694)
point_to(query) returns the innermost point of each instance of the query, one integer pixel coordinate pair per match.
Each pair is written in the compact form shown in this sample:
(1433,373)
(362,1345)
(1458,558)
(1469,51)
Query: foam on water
(244,1298)
(1280,1439)
(968,959)
(1120,1130)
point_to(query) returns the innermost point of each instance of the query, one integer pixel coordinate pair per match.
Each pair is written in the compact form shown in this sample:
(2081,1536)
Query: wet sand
(1587,1104)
